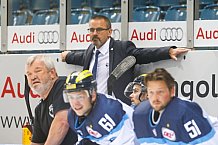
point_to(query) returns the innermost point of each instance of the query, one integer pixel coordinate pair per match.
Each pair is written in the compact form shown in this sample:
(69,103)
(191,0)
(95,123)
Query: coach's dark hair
(160,74)
(108,22)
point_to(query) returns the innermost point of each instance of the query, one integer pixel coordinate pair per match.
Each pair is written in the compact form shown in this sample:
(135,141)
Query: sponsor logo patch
(93,132)
(168,134)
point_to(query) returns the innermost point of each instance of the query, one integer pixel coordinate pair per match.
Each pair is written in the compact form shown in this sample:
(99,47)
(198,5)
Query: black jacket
(118,50)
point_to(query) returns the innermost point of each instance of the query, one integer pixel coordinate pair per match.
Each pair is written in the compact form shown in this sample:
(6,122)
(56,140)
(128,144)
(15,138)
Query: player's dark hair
(108,22)
(160,74)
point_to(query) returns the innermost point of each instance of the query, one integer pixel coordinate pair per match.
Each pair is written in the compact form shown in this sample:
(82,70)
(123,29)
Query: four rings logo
(48,37)
(116,34)
(171,34)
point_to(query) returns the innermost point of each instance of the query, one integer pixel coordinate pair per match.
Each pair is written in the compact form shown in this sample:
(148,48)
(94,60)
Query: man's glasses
(98,30)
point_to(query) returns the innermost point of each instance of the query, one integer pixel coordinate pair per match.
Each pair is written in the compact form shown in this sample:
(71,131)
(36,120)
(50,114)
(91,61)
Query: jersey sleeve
(126,134)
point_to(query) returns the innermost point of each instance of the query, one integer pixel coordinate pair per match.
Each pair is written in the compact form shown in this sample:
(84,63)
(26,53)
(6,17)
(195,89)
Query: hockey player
(97,118)
(166,119)
(136,91)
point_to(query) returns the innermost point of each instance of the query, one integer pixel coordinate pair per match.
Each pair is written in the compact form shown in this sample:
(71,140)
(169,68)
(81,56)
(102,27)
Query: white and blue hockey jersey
(107,124)
(182,122)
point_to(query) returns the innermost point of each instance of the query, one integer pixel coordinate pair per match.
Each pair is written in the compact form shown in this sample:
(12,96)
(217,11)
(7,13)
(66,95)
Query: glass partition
(205,29)
(159,10)
(208,10)
(33,12)
(82,10)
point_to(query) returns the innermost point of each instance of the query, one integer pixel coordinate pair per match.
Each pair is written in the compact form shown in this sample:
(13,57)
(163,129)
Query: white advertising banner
(205,33)
(195,73)
(143,34)
(158,34)
(78,37)
(35,37)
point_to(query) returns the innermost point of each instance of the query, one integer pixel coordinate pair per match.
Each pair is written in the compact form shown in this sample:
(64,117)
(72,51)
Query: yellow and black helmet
(80,81)
(77,81)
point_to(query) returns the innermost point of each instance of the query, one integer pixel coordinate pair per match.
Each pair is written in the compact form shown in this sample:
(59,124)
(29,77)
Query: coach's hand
(174,52)
(63,55)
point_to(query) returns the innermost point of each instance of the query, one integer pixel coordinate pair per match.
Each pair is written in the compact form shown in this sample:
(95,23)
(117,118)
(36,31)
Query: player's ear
(53,73)
(110,32)
(94,95)
(172,92)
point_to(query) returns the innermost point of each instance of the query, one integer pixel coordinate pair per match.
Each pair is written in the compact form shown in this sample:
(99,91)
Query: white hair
(43,58)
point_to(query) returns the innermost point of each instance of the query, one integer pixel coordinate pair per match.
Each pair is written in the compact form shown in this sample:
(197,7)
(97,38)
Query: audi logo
(48,37)
(171,34)
(116,34)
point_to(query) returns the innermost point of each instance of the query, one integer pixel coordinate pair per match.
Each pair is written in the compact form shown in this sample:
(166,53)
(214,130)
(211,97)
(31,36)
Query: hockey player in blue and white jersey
(166,119)
(97,118)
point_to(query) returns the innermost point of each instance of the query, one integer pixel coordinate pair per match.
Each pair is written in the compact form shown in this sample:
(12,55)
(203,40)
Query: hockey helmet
(77,81)
(139,81)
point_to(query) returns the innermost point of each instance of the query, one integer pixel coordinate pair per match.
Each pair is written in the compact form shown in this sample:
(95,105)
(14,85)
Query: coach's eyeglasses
(98,30)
